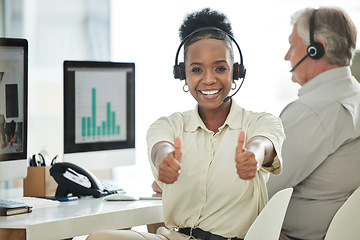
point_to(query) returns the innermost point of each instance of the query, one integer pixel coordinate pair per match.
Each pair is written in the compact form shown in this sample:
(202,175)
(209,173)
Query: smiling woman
(214,151)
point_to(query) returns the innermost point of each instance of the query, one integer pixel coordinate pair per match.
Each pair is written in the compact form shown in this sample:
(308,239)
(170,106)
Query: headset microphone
(300,62)
(229,97)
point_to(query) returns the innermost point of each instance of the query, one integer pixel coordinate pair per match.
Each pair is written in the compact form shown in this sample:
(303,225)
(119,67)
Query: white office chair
(270,220)
(345,223)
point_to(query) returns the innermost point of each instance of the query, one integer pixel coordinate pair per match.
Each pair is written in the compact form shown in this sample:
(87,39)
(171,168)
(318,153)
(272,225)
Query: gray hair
(334,27)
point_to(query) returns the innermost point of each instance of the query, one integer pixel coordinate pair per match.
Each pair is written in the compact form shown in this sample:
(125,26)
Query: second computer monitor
(99,113)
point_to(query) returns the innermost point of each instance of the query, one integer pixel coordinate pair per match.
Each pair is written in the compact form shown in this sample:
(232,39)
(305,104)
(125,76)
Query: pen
(32,162)
(54,160)
(42,160)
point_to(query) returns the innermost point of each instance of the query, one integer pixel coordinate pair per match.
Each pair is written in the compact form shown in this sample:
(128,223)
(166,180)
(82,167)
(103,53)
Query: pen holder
(39,182)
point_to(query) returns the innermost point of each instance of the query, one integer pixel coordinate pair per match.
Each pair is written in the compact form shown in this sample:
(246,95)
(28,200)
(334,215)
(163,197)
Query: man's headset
(315,50)
(239,70)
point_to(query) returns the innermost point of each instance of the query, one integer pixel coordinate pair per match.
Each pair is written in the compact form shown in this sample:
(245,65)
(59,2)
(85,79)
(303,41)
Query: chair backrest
(345,223)
(270,220)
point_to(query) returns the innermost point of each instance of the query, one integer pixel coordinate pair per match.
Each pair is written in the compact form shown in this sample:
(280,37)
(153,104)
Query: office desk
(81,217)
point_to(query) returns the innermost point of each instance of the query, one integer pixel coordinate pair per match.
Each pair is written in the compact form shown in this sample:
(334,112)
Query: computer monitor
(99,114)
(13,108)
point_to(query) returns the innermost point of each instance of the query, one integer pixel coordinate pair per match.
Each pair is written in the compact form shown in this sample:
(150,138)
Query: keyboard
(35,202)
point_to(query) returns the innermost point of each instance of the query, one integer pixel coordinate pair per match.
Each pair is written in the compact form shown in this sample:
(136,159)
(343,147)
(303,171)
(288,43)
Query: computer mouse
(121,197)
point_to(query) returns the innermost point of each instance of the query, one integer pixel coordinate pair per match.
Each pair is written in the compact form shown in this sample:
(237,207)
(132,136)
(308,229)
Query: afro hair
(204,18)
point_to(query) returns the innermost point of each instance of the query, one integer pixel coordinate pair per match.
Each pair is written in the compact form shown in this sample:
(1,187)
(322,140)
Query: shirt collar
(232,120)
(327,77)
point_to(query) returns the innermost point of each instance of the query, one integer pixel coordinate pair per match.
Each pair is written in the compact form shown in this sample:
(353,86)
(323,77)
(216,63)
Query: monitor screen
(99,113)
(13,108)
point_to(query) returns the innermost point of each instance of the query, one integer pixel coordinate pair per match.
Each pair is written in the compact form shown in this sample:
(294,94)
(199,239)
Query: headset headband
(311,31)
(179,68)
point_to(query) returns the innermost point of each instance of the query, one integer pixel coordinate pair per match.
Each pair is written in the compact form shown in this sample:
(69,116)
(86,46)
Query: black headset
(179,68)
(315,50)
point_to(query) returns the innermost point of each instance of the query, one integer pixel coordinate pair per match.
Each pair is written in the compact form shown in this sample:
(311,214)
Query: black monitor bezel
(19,42)
(69,109)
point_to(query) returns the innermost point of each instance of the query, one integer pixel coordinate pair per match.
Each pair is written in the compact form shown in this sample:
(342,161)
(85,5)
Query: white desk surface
(84,216)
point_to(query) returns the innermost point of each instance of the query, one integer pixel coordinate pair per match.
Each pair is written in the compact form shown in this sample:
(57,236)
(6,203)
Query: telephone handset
(77,181)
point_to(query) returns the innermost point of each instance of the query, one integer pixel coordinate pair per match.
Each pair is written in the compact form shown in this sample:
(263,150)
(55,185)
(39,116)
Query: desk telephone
(78,181)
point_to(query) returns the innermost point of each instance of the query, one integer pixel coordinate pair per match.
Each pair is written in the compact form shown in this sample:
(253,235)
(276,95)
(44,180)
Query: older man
(321,153)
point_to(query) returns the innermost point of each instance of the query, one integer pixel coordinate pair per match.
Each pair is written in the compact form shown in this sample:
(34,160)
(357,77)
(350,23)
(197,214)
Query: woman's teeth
(212,92)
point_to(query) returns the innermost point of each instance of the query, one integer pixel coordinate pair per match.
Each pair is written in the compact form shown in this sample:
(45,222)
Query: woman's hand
(169,168)
(246,163)
(156,188)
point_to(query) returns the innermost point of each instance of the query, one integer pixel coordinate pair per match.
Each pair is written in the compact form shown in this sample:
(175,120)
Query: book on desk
(8,208)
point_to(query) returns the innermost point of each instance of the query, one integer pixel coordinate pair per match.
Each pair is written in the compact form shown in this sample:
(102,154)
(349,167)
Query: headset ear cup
(316,50)
(176,72)
(239,71)
(182,71)
(179,71)
(236,71)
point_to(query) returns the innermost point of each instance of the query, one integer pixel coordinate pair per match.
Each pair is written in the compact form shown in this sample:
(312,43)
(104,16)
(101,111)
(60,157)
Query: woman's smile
(213,93)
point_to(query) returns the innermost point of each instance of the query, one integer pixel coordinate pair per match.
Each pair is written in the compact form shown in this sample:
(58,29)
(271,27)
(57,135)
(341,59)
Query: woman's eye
(196,70)
(221,69)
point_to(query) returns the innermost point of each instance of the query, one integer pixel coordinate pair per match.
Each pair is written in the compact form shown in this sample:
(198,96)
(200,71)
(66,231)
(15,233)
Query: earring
(233,88)
(185,90)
